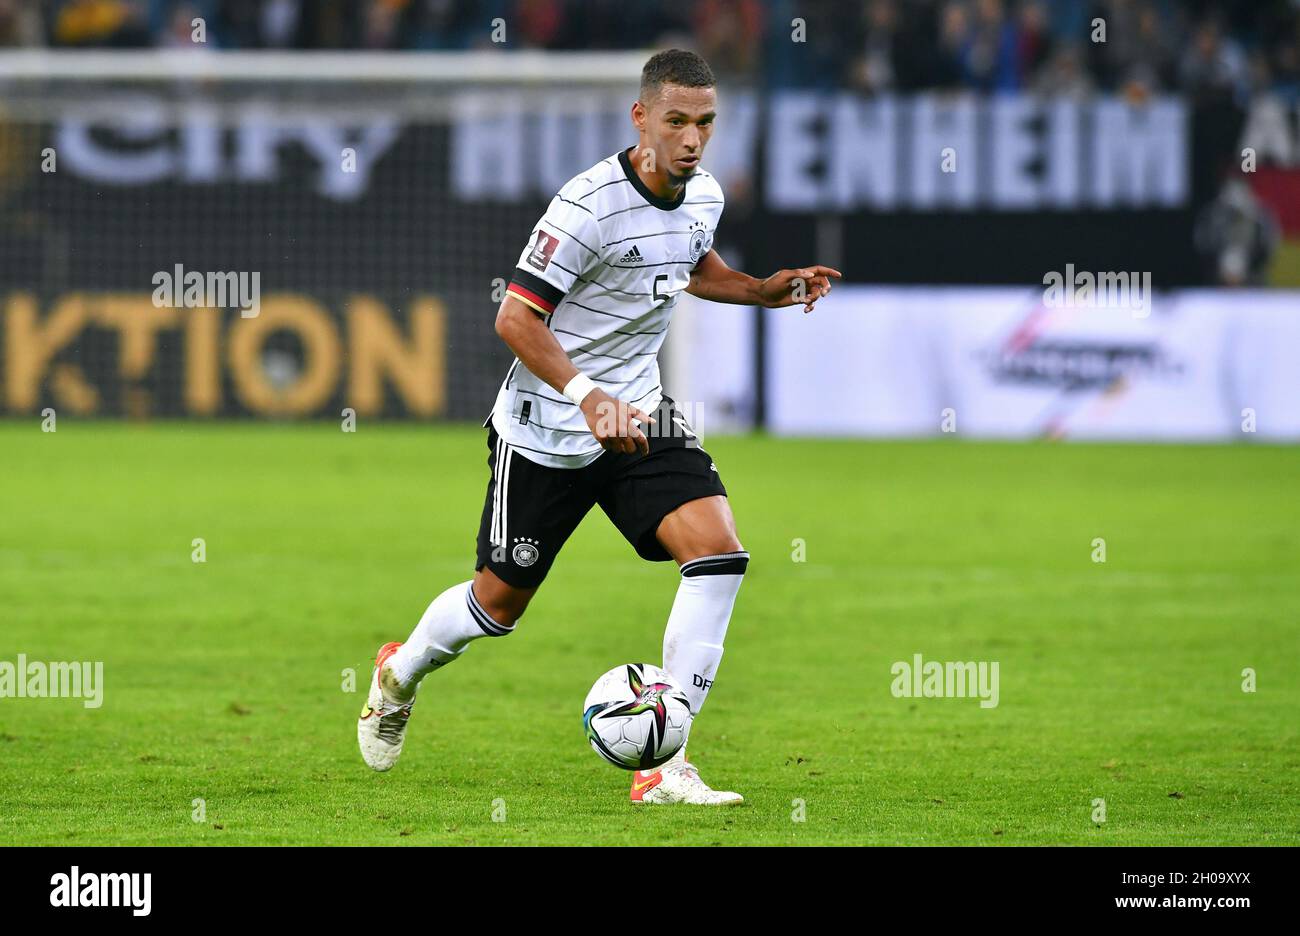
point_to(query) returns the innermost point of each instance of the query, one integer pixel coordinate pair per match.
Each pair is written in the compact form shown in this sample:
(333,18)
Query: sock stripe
(484,620)
(723,564)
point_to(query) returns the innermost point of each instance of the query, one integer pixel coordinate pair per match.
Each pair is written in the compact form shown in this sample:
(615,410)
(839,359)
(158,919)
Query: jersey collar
(665,204)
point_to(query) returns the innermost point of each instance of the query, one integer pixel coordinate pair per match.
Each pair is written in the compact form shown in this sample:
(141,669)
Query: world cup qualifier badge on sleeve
(543,250)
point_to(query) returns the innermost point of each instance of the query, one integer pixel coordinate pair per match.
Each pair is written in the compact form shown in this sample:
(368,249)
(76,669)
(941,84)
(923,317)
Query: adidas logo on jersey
(633,256)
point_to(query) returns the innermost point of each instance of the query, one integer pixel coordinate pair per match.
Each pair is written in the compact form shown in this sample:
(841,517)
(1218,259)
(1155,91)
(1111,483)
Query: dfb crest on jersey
(540,257)
(525,552)
(699,237)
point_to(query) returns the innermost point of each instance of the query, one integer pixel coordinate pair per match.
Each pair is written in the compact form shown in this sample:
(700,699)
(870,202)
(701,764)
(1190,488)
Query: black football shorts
(530,514)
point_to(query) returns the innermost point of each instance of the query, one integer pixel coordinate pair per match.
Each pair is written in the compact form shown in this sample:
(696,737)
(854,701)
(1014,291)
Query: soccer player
(581,418)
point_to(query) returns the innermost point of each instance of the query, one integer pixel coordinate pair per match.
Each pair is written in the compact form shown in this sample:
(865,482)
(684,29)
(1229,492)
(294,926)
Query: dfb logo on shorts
(700,682)
(525,553)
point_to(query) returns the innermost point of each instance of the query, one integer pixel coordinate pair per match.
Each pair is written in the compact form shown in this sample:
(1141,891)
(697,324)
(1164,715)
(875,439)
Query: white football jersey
(604,266)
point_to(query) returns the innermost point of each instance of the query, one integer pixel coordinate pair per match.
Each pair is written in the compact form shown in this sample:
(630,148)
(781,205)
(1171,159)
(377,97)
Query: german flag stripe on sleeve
(535,292)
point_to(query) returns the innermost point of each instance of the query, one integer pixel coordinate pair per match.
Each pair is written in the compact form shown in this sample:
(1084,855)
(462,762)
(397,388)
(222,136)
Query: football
(636,716)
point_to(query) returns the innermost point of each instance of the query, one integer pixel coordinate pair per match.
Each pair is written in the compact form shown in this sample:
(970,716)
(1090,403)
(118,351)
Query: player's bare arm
(612,421)
(712,279)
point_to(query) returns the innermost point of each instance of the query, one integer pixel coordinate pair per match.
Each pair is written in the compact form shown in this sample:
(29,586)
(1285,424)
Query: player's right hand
(615,423)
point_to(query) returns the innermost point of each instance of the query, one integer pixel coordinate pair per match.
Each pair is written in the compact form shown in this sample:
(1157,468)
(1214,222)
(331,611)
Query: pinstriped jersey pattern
(604,266)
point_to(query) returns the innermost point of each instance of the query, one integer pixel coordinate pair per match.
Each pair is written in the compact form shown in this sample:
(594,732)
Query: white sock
(450,622)
(697,625)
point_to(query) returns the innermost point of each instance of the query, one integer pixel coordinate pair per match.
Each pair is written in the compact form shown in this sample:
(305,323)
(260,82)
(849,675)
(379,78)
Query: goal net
(278,234)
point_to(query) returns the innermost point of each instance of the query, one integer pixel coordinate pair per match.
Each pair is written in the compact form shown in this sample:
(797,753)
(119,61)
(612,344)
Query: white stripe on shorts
(505,495)
(496,495)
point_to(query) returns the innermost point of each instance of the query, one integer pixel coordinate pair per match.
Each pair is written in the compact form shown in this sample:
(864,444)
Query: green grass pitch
(224,680)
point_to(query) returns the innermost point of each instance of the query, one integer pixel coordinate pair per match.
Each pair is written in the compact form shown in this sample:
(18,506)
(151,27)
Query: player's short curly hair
(674,66)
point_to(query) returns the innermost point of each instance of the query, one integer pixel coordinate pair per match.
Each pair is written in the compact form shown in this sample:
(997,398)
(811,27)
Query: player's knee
(722,540)
(507,609)
(504,604)
(721,545)
(719,540)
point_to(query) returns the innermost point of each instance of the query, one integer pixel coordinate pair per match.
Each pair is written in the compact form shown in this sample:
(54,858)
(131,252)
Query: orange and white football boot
(678,781)
(381,729)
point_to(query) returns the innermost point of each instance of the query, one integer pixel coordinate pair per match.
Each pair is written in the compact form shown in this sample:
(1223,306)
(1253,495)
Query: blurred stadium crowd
(1202,47)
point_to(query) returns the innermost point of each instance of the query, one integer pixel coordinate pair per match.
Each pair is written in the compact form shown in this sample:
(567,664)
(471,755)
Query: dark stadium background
(410,232)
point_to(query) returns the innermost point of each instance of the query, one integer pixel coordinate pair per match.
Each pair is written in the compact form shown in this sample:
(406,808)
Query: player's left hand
(803,286)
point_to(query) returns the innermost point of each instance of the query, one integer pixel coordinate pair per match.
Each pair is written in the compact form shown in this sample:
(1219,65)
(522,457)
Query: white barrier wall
(999,363)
